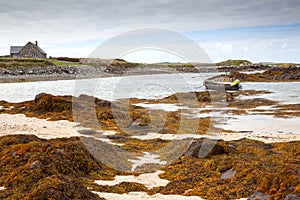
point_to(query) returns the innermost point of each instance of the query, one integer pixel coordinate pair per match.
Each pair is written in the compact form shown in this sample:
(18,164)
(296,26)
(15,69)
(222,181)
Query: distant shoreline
(73,72)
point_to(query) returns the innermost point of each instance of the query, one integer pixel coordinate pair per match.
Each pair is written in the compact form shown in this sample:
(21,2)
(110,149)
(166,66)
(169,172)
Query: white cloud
(55,22)
(255,50)
(224,47)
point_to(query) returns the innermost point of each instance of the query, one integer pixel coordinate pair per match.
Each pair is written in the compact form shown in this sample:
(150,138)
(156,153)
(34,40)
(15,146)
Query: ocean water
(142,86)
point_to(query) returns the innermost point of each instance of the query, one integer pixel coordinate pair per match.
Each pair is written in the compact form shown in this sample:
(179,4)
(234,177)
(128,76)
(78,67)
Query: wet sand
(144,195)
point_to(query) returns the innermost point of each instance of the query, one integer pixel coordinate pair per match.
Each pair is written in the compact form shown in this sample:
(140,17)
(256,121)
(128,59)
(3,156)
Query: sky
(259,31)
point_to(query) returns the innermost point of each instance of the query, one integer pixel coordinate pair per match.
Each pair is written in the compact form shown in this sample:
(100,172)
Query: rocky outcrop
(275,74)
(249,68)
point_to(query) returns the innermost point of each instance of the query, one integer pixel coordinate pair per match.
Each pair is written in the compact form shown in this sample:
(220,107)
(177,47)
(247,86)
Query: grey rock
(259,196)
(35,164)
(228,174)
(292,197)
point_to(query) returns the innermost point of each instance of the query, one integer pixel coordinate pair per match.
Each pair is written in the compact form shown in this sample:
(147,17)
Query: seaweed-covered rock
(288,73)
(265,170)
(34,168)
(60,187)
(206,148)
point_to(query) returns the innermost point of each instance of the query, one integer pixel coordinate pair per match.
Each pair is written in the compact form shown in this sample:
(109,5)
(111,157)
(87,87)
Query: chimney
(36,43)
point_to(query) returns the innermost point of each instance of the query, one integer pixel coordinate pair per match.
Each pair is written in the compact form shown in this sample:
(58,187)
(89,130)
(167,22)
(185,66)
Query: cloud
(57,22)
(254,50)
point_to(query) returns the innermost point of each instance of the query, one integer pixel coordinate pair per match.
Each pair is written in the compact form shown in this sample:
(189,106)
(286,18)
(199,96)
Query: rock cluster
(39,70)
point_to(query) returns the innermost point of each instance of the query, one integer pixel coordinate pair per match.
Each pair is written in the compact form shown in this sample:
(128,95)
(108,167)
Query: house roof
(15,49)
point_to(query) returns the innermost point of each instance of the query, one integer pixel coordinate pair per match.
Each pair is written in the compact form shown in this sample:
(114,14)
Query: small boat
(222,86)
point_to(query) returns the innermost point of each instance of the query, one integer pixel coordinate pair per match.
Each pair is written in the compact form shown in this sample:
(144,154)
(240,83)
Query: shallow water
(263,124)
(285,92)
(142,86)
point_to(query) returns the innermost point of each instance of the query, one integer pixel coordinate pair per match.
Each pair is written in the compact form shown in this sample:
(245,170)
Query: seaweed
(33,168)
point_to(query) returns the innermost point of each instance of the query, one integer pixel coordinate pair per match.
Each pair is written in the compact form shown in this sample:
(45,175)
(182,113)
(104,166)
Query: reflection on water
(142,86)
(263,124)
(285,92)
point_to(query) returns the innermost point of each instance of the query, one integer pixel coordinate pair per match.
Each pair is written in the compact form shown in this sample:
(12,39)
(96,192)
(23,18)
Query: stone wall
(30,50)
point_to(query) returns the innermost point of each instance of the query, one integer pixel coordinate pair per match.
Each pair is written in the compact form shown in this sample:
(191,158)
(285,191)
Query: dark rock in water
(259,196)
(292,197)
(206,148)
(228,174)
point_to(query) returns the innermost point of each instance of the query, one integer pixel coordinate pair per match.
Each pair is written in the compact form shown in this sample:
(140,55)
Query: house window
(30,48)
(34,55)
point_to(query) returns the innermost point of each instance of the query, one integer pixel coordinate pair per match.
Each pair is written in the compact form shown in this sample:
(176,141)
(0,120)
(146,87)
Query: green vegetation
(181,65)
(37,62)
(64,63)
(233,63)
(24,62)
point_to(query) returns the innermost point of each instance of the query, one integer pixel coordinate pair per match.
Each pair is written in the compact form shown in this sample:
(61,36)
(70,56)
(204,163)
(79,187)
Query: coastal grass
(34,62)
(24,62)
(65,63)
